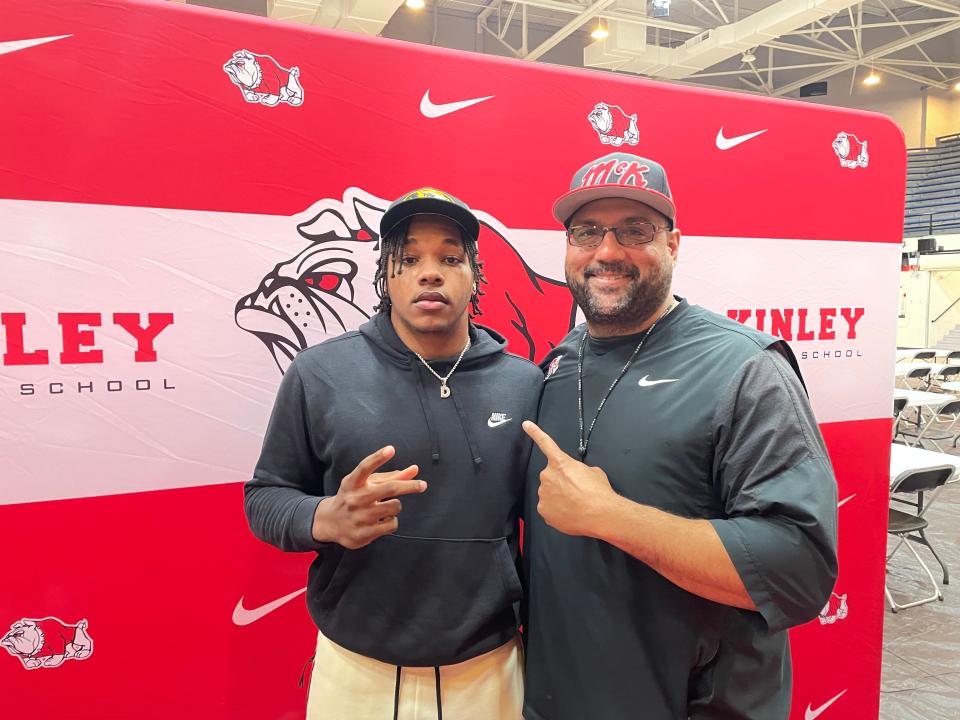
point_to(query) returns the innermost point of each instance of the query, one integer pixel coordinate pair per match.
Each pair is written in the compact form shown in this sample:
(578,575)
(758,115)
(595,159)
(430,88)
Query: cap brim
(431,206)
(566,205)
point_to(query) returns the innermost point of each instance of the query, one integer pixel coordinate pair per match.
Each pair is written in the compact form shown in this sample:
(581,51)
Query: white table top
(905,459)
(918,398)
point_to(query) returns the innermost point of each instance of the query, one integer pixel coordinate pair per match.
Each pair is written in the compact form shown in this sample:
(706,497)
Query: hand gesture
(367,504)
(572,496)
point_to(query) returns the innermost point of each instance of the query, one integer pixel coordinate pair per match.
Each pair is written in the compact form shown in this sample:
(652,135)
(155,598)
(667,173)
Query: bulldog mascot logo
(262,80)
(613,125)
(835,609)
(327,287)
(47,642)
(851,150)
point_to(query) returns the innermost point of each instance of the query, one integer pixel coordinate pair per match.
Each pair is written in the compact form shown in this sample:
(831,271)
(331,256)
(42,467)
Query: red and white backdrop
(187,198)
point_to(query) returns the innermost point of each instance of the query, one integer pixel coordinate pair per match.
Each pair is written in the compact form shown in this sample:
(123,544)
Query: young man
(682,513)
(414,599)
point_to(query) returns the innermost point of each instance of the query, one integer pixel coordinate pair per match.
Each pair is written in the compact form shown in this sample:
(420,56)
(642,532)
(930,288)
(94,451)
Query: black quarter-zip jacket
(445,587)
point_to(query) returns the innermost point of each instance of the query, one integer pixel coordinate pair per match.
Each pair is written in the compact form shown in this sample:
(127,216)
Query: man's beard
(637,302)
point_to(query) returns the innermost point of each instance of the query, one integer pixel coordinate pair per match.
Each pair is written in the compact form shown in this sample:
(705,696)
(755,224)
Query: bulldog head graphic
(327,288)
(324,290)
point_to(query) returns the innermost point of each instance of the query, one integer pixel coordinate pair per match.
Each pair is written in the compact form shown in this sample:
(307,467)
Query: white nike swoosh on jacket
(644,382)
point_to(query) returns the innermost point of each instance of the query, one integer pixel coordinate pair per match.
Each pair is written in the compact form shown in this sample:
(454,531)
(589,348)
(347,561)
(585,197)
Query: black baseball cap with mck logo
(430,201)
(617,175)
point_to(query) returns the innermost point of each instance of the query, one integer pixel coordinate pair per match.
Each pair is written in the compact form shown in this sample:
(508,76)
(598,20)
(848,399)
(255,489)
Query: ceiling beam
(907,33)
(871,26)
(620,15)
(949,6)
(874,55)
(777,68)
(906,75)
(568,29)
(921,63)
(816,52)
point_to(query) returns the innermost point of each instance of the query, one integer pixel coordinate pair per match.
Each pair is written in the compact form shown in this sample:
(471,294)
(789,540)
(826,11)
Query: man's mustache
(611,268)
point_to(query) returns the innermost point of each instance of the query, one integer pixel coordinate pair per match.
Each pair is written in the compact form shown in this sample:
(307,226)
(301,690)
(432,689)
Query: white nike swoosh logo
(649,383)
(846,500)
(727,143)
(242,616)
(431,110)
(497,423)
(814,714)
(14,45)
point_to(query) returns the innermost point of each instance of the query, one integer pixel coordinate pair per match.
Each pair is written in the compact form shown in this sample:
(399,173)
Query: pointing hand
(573,496)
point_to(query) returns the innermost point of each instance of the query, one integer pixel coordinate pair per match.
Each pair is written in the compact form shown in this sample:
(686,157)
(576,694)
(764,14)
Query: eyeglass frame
(616,233)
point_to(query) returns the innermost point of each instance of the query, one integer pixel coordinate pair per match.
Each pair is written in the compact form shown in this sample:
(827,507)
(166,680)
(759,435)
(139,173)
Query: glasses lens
(584,235)
(636,233)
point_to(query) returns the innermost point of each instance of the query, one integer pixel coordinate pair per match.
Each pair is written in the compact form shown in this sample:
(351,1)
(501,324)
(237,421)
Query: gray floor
(921,646)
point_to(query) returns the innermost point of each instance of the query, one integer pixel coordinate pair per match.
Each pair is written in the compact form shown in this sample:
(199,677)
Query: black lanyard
(585,441)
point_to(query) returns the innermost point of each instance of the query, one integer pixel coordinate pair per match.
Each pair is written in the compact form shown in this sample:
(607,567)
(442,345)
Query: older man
(682,510)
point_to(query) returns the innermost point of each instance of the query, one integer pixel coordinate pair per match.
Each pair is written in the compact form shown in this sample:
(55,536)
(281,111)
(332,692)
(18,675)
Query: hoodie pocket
(422,601)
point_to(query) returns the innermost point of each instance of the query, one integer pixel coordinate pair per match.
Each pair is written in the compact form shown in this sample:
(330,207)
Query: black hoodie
(445,587)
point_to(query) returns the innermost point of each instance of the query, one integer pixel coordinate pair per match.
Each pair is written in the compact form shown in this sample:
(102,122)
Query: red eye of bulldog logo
(324,281)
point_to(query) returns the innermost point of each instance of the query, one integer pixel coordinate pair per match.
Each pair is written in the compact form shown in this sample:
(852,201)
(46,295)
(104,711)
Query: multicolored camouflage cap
(430,201)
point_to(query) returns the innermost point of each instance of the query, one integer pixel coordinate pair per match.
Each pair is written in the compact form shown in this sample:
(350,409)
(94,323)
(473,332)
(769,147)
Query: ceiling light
(661,8)
(416,4)
(600,32)
(872,79)
(748,57)
(957,86)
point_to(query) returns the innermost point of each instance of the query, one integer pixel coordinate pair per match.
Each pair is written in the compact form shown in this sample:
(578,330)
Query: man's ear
(673,243)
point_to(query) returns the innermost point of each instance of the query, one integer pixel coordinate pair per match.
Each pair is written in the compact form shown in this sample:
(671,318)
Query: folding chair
(944,425)
(947,374)
(910,527)
(921,373)
(898,405)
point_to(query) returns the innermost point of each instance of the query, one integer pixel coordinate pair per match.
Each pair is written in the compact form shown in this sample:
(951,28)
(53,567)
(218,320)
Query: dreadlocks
(391,254)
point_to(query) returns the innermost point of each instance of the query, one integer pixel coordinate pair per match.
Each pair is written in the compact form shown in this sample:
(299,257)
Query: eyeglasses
(628,235)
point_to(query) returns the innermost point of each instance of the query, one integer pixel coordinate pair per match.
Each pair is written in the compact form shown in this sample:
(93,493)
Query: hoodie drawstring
(396,693)
(474,450)
(431,426)
(428,416)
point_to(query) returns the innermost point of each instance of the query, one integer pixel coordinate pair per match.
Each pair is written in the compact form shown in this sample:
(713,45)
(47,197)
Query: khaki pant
(348,686)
